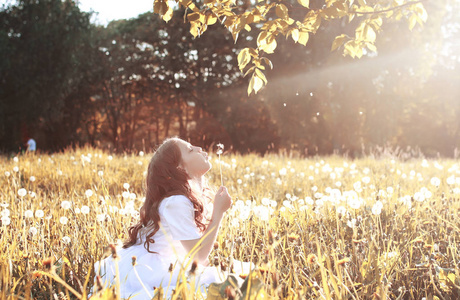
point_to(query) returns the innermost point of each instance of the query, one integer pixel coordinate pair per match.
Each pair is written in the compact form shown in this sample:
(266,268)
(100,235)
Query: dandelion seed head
(65,204)
(126,186)
(22,192)
(5,221)
(15,159)
(28,214)
(5,213)
(63,220)
(33,231)
(89,193)
(435,181)
(7,174)
(39,213)
(32,178)
(66,240)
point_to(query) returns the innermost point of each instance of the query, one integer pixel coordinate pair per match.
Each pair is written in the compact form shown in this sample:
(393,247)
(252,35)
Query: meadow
(317,228)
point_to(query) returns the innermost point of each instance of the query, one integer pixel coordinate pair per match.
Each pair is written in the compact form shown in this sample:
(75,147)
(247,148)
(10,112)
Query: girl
(172,223)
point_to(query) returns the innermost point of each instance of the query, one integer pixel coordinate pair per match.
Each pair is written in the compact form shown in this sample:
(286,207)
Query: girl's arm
(222,202)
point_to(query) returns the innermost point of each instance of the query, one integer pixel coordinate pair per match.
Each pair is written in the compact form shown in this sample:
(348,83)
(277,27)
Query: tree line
(126,86)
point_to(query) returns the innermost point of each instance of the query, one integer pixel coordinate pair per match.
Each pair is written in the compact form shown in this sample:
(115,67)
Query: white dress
(177,222)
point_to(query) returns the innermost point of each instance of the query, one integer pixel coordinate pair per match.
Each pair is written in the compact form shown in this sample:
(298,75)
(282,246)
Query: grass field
(318,228)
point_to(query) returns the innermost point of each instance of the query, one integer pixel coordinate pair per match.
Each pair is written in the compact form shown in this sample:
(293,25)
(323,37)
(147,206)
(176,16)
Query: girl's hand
(222,201)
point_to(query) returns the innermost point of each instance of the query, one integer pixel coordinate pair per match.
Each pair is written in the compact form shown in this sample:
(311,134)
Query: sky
(109,10)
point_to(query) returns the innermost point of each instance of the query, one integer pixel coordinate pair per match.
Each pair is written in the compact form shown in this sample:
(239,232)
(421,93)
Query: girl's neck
(198,183)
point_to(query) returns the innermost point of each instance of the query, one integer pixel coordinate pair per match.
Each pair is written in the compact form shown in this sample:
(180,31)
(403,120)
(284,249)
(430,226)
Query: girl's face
(194,160)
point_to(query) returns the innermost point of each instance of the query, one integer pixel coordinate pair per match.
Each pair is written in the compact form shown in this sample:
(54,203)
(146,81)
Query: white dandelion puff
(66,240)
(28,214)
(65,204)
(89,193)
(5,213)
(33,231)
(63,220)
(435,181)
(39,213)
(22,192)
(5,221)
(126,186)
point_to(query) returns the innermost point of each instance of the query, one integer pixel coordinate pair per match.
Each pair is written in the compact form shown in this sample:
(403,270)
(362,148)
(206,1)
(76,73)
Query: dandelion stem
(220,168)
(142,284)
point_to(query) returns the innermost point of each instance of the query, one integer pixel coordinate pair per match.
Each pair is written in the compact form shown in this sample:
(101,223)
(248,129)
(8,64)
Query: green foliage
(259,16)
(46,67)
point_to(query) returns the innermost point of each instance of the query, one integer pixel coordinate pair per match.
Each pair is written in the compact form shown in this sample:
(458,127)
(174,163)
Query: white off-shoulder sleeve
(179,214)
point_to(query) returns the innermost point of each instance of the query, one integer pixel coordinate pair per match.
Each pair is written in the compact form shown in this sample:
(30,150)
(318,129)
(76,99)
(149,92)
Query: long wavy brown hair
(165,177)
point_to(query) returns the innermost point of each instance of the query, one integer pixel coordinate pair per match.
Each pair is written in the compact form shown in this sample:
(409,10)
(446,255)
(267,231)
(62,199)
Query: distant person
(31,145)
(172,223)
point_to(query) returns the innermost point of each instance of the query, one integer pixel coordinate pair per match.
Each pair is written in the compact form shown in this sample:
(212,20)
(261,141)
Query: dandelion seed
(15,159)
(33,231)
(351,223)
(110,157)
(435,181)
(419,197)
(7,174)
(89,193)
(22,192)
(39,213)
(63,220)
(28,214)
(5,221)
(66,240)
(266,201)
(101,217)
(32,178)
(376,209)
(65,204)
(126,186)
(141,153)
(282,172)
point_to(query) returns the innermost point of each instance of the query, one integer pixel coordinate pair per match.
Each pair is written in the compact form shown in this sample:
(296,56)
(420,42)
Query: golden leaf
(295,34)
(261,75)
(338,41)
(282,11)
(304,3)
(303,37)
(168,15)
(243,58)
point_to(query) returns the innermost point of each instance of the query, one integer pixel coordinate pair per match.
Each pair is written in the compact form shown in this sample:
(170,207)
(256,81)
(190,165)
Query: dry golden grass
(320,228)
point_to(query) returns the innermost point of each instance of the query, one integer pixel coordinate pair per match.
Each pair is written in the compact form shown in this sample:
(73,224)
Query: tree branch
(385,10)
